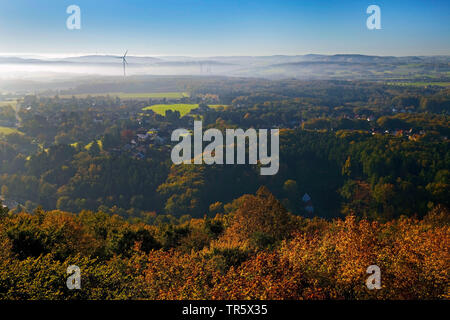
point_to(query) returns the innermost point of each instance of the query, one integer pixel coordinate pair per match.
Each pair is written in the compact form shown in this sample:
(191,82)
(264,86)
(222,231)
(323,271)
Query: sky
(224,28)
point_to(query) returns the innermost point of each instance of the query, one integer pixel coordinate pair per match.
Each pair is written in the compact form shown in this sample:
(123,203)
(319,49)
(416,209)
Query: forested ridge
(369,149)
(364,180)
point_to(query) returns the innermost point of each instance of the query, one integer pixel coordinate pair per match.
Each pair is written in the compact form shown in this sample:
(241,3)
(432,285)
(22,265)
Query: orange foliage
(309,259)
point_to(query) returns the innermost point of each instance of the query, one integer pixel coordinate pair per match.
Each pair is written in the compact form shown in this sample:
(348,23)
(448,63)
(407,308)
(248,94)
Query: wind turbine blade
(125,54)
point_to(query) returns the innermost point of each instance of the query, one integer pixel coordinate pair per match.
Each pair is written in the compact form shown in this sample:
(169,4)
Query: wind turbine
(124,62)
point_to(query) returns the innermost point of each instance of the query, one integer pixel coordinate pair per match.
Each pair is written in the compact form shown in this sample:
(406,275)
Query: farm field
(11,103)
(420,84)
(123,95)
(8,130)
(182,108)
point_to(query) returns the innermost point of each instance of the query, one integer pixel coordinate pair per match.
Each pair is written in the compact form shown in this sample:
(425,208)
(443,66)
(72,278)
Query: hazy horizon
(86,54)
(321,39)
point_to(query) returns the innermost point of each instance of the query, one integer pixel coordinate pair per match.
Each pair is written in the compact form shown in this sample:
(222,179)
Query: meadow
(123,95)
(11,103)
(8,130)
(420,84)
(180,107)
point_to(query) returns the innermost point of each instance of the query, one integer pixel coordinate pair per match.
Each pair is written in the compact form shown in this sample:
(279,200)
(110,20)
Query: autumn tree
(260,219)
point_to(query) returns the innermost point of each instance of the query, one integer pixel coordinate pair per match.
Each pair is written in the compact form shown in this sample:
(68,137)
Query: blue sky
(216,27)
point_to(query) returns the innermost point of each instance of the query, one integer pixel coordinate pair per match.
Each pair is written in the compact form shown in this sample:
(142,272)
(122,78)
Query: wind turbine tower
(124,62)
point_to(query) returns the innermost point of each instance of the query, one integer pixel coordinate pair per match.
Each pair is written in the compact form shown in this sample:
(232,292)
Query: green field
(11,103)
(182,108)
(420,84)
(123,95)
(8,130)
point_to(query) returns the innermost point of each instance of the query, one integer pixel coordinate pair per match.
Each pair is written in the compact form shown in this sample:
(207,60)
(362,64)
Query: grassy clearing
(8,130)
(420,84)
(168,95)
(11,103)
(123,95)
(162,108)
(182,108)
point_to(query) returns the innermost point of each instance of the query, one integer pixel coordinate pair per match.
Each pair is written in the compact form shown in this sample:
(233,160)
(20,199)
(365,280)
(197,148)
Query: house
(143,137)
(98,119)
(139,155)
(9,203)
(306,197)
(308,203)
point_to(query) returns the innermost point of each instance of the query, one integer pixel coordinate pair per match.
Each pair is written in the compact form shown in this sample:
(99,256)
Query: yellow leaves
(321,260)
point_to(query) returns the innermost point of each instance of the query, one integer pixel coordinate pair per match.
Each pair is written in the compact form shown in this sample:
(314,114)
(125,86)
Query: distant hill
(307,67)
